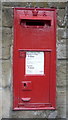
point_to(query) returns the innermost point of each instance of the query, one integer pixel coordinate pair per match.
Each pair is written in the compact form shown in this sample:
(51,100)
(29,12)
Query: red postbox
(34,59)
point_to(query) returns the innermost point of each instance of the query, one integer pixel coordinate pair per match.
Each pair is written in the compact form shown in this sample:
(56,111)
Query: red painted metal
(34,30)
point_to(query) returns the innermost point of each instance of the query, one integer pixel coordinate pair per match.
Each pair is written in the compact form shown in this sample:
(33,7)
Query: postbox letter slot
(35,22)
(31,22)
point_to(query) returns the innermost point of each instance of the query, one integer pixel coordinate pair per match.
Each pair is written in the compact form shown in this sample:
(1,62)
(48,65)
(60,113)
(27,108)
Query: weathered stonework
(0,17)
(0,73)
(61,96)
(62,34)
(58,5)
(13,4)
(7,49)
(7,17)
(61,43)
(0,42)
(61,51)
(67,102)
(26,4)
(0,103)
(61,73)
(6,36)
(6,73)
(53,114)
(6,53)
(28,114)
(0,65)
(61,111)
(61,13)
(34,114)
(6,102)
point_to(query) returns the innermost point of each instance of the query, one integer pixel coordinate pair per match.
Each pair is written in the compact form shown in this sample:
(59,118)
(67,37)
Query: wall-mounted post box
(34,59)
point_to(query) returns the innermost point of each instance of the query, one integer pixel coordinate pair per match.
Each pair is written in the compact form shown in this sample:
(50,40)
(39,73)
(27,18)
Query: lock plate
(26,85)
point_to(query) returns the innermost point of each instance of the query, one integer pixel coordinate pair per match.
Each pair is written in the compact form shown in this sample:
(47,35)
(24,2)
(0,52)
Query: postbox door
(34,78)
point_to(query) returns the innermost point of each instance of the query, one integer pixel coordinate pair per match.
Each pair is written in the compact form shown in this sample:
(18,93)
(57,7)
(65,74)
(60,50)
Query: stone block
(6,102)
(61,102)
(0,42)
(62,20)
(17,4)
(39,4)
(0,73)
(61,111)
(61,44)
(62,34)
(13,4)
(7,17)
(0,18)
(61,73)
(67,109)
(0,103)
(28,114)
(61,51)
(61,13)
(6,73)
(6,36)
(34,114)
(5,53)
(61,96)
(0,4)
(25,4)
(58,5)
(67,95)
(53,114)
(22,1)
(6,42)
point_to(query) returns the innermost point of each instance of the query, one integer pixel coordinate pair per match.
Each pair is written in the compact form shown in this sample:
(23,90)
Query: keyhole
(24,84)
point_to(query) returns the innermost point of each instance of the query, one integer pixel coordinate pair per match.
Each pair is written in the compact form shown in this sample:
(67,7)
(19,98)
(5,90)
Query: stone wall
(0,64)
(6,60)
